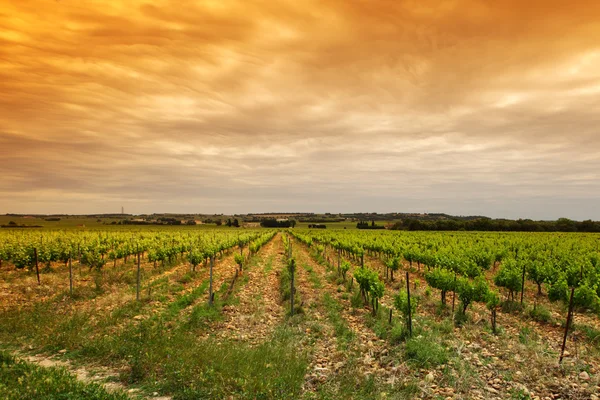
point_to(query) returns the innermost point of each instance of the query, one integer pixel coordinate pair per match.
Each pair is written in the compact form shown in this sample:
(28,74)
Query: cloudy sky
(467,107)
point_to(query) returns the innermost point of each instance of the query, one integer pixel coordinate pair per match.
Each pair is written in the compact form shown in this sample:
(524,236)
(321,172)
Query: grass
(511,307)
(23,380)
(188,369)
(528,336)
(342,331)
(591,334)
(541,314)
(313,276)
(425,352)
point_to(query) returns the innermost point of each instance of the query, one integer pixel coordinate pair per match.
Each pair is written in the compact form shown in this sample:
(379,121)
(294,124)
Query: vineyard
(299,313)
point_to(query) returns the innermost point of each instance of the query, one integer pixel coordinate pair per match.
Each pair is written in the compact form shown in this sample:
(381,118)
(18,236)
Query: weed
(460,318)
(187,277)
(592,335)
(511,307)
(527,336)
(356,301)
(425,352)
(540,314)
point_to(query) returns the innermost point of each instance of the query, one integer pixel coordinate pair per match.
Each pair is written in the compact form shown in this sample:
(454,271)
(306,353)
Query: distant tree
(236,223)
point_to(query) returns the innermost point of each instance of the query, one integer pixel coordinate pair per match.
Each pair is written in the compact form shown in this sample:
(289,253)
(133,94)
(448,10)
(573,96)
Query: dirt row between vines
(320,340)
(257,310)
(373,354)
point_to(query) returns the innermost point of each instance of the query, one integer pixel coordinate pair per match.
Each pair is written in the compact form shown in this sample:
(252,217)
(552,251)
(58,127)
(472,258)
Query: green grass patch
(23,380)
(540,314)
(342,331)
(312,276)
(424,352)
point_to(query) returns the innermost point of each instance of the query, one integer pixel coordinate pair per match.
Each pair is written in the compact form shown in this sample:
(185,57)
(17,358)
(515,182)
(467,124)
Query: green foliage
(195,258)
(401,303)
(363,277)
(482,259)
(93,259)
(370,285)
(393,264)
(441,279)
(21,257)
(586,297)
(344,268)
(510,277)
(239,260)
(540,272)
(492,300)
(559,290)
(470,291)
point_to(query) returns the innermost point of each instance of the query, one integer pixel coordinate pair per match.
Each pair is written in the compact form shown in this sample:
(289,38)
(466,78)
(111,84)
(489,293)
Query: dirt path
(258,310)
(326,356)
(372,353)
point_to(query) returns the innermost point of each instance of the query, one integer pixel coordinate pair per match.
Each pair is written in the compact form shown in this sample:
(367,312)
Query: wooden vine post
(292,267)
(409,309)
(210,283)
(137,286)
(454,295)
(70,276)
(37,268)
(523,284)
(339,261)
(568,324)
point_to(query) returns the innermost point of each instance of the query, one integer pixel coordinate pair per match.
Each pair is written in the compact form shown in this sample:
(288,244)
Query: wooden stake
(292,270)
(210,284)
(569,318)
(523,284)
(454,295)
(37,269)
(137,291)
(70,276)
(409,310)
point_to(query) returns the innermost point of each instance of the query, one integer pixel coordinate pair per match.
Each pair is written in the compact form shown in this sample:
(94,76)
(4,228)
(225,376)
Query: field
(191,313)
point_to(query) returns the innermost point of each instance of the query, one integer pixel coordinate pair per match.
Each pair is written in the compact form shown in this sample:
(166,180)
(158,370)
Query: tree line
(505,225)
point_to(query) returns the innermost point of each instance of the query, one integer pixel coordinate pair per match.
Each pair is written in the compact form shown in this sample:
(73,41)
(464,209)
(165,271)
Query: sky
(468,107)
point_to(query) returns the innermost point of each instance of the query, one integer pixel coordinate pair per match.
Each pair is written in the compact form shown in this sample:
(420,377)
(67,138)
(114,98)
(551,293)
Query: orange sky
(466,107)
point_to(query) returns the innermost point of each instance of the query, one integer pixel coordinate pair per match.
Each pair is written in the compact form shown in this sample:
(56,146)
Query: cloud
(469,107)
